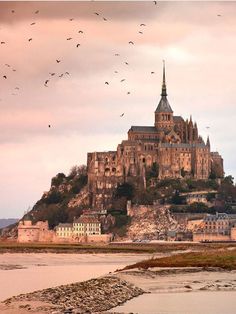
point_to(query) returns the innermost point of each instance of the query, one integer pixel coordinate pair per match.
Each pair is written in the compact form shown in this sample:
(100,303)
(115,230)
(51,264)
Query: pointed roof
(164,105)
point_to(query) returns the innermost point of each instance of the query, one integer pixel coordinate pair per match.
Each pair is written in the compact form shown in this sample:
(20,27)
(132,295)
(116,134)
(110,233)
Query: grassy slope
(223,258)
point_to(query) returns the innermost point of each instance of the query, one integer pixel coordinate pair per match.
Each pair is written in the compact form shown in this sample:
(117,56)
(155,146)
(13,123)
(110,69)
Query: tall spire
(163,90)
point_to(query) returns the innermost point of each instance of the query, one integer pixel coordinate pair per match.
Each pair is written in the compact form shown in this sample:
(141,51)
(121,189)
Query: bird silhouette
(122,80)
(3,42)
(58,61)
(7,65)
(69,38)
(96,13)
(46,82)
(17,88)
(61,75)
(140,32)
(14,70)
(77,45)
(33,23)
(122,115)
(128,93)
(12,11)
(219,15)
(115,71)
(5,77)
(152,72)
(30,39)
(106,83)
(117,54)
(49,125)
(36,12)
(71,19)
(67,73)
(52,74)
(81,32)
(126,63)
(104,19)
(142,24)
(131,42)
(155,2)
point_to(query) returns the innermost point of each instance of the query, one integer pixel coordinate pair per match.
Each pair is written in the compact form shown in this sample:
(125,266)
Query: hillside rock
(150,222)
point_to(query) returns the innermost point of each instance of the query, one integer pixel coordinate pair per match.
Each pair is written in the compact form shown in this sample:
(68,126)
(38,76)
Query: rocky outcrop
(92,296)
(150,222)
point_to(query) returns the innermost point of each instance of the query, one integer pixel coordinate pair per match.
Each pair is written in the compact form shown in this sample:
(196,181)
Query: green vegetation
(225,259)
(54,205)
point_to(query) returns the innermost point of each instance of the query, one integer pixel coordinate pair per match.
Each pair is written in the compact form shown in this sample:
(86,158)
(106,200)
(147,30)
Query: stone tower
(164,113)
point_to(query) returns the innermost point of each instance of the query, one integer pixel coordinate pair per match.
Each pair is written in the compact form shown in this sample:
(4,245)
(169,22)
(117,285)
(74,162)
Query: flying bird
(61,75)
(115,71)
(131,42)
(67,73)
(122,80)
(17,88)
(5,77)
(52,74)
(96,13)
(81,32)
(30,39)
(71,19)
(117,54)
(107,83)
(142,24)
(104,19)
(128,93)
(36,12)
(33,23)
(207,127)
(58,61)
(46,82)
(7,65)
(219,15)
(152,72)
(3,42)
(140,32)
(126,63)
(77,45)
(69,38)
(155,2)
(12,11)
(14,70)
(122,115)
(49,125)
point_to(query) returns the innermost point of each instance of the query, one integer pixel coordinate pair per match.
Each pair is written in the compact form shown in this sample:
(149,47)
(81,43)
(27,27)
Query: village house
(219,227)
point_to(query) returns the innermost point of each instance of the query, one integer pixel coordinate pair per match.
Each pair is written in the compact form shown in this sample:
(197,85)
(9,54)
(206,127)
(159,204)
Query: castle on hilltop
(172,148)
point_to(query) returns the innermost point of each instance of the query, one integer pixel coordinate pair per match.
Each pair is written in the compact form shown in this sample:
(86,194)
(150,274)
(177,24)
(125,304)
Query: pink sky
(199,48)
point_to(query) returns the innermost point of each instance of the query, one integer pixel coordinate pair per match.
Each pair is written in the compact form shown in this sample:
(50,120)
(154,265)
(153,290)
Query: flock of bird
(77,45)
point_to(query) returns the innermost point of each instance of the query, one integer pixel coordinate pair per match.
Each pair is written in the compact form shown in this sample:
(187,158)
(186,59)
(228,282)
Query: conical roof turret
(164,105)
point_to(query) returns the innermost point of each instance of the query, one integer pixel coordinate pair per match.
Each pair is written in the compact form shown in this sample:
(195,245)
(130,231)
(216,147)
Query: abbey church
(172,146)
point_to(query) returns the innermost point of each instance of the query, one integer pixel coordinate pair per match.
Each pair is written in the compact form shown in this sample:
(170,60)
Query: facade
(64,230)
(87,228)
(198,196)
(27,232)
(219,227)
(172,146)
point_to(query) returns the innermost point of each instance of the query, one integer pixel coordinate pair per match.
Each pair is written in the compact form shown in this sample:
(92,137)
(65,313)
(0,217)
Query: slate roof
(164,105)
(143,129)
(178,119)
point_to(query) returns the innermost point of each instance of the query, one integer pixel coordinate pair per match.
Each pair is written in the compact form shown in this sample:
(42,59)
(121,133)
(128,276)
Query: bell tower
(164,113)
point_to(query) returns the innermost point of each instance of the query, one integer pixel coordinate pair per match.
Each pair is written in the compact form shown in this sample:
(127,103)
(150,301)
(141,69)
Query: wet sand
(23,273)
